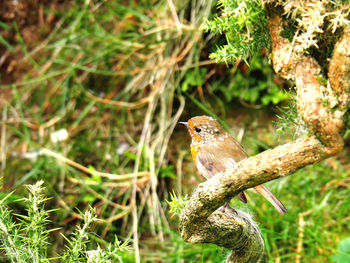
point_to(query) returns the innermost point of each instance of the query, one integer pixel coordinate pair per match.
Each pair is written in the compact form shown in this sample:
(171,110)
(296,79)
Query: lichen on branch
(318,103)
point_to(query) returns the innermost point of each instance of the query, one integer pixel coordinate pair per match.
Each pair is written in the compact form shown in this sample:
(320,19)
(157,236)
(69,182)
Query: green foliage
(254,86)
(177,203)
(193,78)
(288,120)
(321,80)
(309,189)
(167,172)
(9,198)
(343,255)
(289,30)
(25,237)
(28,239)
(245,27)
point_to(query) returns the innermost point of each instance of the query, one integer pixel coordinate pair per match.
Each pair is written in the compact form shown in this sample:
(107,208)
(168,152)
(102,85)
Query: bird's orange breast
(194,151)
(195,148)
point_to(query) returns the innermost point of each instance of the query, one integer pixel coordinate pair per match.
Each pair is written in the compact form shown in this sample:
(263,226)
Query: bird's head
(203,128)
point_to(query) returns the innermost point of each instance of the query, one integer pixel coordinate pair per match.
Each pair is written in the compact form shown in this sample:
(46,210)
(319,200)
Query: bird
(214,150)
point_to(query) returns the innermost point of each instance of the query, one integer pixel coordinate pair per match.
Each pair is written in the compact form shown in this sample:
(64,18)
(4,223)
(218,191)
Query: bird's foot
(227,206)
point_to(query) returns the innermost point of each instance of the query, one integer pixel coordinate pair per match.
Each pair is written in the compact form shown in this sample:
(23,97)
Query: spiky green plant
(24,238)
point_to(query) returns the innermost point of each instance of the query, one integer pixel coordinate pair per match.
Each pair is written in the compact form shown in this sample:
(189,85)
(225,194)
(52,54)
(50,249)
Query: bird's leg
(227,205)
(223,208)
(231,209)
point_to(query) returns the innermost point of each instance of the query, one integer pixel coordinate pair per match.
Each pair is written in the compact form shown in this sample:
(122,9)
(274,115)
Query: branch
(234,230)
(319,105)
(339,67)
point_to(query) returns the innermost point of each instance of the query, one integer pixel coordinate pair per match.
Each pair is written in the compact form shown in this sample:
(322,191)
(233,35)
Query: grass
(319,215)
(112,76)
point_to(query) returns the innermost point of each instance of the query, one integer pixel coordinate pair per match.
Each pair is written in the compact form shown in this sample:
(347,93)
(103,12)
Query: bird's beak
(183,123)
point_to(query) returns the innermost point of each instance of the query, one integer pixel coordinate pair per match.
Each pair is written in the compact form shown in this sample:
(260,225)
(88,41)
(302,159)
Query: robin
(214,150)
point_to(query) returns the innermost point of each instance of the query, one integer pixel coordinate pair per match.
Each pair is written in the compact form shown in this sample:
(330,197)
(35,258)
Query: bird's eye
(198,130)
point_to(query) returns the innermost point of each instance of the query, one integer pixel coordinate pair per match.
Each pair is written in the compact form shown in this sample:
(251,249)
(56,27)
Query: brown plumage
(214,150)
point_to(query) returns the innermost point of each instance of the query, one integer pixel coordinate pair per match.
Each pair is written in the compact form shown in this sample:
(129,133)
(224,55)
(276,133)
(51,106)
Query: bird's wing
(219,156)
(222,155)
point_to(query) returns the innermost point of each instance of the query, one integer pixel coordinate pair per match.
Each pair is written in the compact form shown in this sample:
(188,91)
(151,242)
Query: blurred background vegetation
(91,92)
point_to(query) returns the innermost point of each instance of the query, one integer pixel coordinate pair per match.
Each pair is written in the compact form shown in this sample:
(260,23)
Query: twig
(146,126)
(3,143)
(301,234)
(174,15)
(110,176)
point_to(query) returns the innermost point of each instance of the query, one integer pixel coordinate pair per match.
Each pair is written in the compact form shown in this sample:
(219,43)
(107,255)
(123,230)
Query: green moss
(288,30)
(322,80)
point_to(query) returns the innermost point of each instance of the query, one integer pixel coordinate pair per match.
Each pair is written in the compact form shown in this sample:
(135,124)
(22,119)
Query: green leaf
(167,171)
(194,78)
(343,255)
(8,198)
(7,44)
(344,246)
(94,176)
(5,26)
(89,198)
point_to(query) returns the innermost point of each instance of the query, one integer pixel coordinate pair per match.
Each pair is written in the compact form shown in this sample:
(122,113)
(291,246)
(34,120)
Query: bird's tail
(271,198)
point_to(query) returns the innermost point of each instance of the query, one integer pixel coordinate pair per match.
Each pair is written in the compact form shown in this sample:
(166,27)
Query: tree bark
(322,107)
